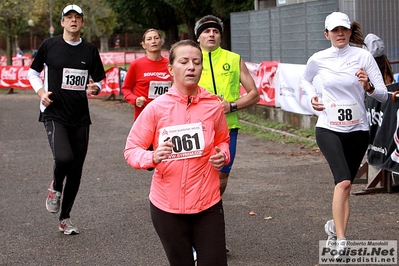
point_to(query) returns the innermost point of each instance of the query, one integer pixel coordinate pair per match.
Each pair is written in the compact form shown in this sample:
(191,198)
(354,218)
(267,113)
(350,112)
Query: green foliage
(13,16)
(104,17)
(166,15)
(13,21)
(142,13)
(276,131)
(100,18)
(223,8)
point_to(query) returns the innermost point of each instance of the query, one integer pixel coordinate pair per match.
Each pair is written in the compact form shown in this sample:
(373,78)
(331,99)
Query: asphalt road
(288,189)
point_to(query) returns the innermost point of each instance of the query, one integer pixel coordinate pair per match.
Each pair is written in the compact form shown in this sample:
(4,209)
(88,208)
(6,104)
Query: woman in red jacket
(189,133)
(147,77)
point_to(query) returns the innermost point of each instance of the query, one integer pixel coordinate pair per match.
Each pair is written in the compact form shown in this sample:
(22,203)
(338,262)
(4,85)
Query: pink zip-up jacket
(188,185)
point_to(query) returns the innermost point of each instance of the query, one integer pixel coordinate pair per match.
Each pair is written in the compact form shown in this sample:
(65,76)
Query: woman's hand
(140,101)
(218,160)
(363,78)
(163,151)
(316,105)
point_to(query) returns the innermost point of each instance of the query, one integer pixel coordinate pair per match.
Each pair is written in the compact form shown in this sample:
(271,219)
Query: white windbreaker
(342,94)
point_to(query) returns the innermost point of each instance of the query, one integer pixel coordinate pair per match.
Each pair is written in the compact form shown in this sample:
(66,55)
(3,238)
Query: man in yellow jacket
(222,73)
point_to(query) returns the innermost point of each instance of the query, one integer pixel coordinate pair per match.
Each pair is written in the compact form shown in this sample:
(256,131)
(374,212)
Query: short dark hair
(200,24)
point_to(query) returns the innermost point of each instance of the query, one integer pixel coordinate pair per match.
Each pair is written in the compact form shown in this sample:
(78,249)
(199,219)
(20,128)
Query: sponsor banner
(278,84)
(111,84)
(383,119)
(110,58)
(25,60)
(117,58)
(291,97)
(124,58)
(264,77)
(364,252)
(16,77)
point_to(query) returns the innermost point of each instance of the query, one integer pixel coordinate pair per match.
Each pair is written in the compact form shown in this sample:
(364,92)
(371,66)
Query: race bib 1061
(188,140)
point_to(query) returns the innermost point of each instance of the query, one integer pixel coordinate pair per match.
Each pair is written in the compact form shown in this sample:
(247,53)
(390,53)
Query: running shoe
(341,250)
(194,254)
(53,199)
(329,227)
(67,227)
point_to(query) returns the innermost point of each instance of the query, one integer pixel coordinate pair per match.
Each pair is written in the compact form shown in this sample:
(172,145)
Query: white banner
(290,96)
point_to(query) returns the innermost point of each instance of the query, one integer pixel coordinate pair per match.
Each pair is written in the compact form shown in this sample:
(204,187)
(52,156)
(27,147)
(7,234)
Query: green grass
(273,131)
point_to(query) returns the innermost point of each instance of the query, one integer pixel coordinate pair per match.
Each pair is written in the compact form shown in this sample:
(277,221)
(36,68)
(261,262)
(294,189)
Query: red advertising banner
(264,77)
(108,59)
(111,84)
(25,60)
(263,74)
(16,77)
(124,58)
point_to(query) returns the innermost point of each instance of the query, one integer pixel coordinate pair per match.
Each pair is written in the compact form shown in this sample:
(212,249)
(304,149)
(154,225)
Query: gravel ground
(277,200)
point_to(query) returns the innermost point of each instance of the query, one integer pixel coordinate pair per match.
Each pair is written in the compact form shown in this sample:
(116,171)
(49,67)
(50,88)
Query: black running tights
(204,231)
(69,146)
(344,152)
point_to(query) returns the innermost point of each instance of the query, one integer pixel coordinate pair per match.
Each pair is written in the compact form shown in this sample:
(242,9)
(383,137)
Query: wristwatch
(371,87)
(233,107)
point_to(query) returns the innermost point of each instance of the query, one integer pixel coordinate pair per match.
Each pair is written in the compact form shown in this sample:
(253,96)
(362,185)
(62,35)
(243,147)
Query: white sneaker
(329,227)
(194,254)
(53,199)
(341,249)
(67,227)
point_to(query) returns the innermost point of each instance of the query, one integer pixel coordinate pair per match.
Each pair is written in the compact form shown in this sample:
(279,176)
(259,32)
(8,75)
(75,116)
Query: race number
(188,140)
(343,114)
(157,88)
(74,79)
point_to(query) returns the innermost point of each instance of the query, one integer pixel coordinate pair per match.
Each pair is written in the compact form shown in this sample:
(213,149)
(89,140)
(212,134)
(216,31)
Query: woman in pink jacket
(189,133)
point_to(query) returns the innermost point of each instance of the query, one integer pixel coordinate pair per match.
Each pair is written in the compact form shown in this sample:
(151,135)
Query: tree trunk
(9,49)
(104,44)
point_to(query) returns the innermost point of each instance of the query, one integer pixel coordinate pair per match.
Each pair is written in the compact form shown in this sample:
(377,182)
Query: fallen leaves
(252,213)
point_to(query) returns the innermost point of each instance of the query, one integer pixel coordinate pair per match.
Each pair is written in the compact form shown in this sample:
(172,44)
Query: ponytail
(356,37)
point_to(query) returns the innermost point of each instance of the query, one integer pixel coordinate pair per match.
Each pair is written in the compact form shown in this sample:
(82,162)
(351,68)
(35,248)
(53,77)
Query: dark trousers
(69,146)
(344,152)
(204,231)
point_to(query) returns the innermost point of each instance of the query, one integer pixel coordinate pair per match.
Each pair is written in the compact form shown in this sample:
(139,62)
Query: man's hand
(45,97)
(92,88)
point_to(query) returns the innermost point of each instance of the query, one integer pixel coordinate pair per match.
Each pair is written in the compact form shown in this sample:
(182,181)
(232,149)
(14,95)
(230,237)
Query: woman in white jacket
(347,73)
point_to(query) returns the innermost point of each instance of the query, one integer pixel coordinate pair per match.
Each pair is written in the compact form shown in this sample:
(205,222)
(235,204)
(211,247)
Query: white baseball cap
(336,19)
(70,8)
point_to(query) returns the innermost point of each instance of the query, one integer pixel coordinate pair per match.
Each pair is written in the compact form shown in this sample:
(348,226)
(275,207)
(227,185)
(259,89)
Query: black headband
(208,25)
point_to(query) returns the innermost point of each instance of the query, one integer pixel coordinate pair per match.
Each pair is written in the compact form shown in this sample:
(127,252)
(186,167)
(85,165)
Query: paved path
(289,188)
